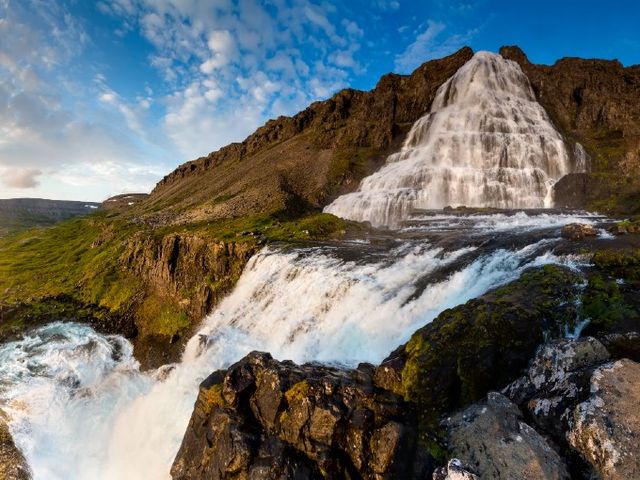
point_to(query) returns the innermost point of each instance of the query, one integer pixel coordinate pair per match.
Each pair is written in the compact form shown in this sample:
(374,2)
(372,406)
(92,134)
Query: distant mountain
(22,213)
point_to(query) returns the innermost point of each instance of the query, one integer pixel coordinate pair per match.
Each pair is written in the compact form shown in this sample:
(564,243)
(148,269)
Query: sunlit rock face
(486,142)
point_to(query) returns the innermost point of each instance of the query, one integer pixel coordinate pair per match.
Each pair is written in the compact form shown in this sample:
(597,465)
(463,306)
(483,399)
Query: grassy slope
(77,265)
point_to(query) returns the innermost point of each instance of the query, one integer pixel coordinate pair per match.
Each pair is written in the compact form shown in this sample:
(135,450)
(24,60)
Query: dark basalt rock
(267,419)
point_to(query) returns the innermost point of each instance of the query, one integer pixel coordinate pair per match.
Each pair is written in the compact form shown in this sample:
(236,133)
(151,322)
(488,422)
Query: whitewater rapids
(486,142)
(80,407)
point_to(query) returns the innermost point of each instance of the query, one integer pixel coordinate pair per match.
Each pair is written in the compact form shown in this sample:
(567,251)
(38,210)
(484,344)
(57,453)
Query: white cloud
(51,125)
(21,178)
(238,64)
(427,46)
(386,5)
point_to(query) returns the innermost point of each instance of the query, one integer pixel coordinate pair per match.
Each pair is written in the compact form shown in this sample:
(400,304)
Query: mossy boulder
(611,299)
(267,419)
(481,345)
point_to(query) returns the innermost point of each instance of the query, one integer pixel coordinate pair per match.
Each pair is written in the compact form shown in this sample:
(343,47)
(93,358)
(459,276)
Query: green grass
(80,266)
(76,258)
(272,228)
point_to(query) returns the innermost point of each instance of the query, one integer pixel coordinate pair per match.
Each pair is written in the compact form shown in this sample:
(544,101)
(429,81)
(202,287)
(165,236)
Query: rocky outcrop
(184,276)
(605,428)
(557,379)
(13,465)
(267,419)
(493,439)
(578,231)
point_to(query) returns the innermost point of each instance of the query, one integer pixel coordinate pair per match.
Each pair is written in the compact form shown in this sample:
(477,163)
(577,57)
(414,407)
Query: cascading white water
(80,408)
(486,142)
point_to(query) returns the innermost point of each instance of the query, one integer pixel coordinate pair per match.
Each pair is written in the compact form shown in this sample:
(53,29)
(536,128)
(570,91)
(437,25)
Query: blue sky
(106,97)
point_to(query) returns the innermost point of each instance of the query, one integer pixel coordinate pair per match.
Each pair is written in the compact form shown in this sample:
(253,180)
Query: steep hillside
(304,160)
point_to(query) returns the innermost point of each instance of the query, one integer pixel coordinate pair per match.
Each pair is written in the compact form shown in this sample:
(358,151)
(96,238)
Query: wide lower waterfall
(80,407)
(486,142)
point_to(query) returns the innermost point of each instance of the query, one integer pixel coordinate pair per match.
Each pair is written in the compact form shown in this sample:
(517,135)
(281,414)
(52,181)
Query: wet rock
(454,470)
(557,379)
(13,465)
(492,438)
(267,419)
(578,231)
(606,427)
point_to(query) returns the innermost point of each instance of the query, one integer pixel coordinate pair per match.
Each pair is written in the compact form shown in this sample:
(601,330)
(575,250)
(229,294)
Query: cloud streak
(427,46)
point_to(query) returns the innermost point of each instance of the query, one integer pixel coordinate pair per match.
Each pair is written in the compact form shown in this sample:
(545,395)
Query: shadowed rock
(492,438)
(267,419)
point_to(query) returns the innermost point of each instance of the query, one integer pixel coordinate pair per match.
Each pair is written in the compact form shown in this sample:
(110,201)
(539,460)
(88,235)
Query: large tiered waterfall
(486,142)
(78,404)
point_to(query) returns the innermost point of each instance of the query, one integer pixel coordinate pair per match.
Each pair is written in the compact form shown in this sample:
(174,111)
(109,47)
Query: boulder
(557,379)
(605,428)
(267,419)
(492,437)
(578,231)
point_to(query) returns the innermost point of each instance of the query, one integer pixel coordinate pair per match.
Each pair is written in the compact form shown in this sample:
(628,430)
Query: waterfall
(80,407)
(78,404)
(486,142)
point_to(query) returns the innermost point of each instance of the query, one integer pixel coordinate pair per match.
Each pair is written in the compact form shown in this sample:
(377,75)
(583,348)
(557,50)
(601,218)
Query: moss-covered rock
(483,344)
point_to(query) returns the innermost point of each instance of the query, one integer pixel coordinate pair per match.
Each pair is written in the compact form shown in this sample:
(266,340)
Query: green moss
(212,398)
(298,392)
(268,227)
(485,343)
(603,303)
(159,317)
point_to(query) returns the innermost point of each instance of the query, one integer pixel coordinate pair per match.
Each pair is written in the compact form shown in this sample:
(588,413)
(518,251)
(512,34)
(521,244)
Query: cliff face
(182,276)
(596,103)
